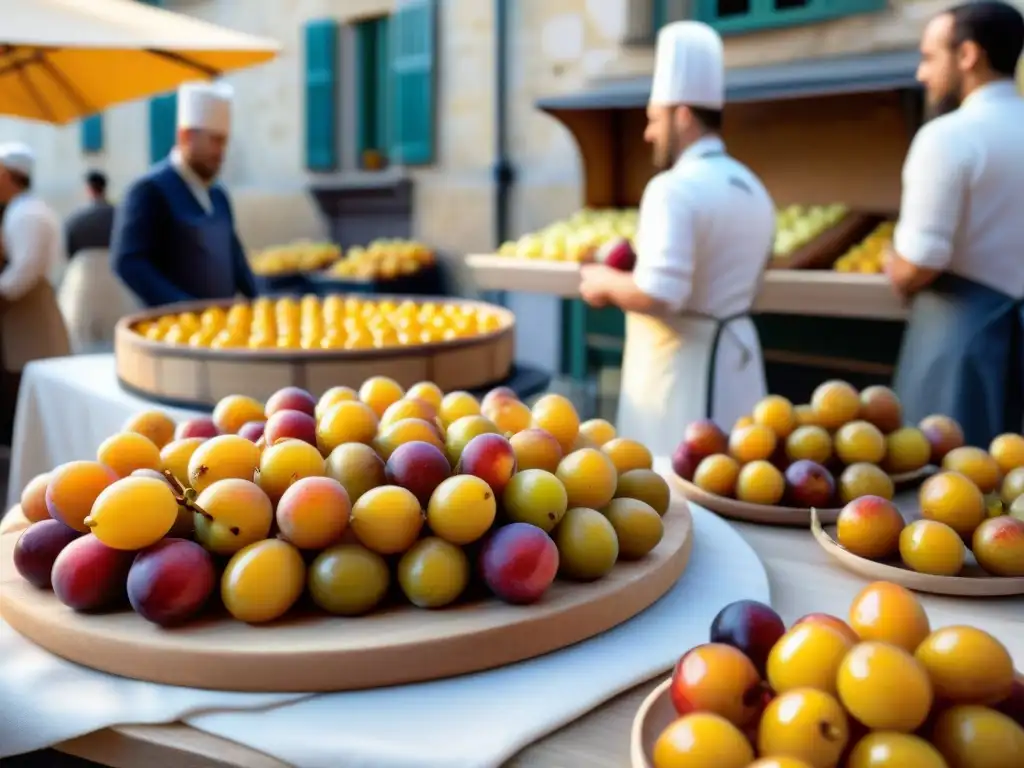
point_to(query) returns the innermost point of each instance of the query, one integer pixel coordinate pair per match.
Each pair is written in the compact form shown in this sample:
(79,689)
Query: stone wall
(557,46)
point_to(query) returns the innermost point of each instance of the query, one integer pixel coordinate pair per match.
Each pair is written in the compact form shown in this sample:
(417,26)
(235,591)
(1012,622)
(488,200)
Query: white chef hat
(206,106)
(17,157)
(689,66)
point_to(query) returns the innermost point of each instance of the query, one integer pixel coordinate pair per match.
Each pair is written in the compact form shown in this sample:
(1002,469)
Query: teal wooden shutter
(322,95)
(659,14)
(163,114)
(92,134)
(412,82)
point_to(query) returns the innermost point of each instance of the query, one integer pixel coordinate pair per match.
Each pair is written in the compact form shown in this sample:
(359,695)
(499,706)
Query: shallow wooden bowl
(749,513)
(656,713)
(317,652)
(191,377)
(974,582)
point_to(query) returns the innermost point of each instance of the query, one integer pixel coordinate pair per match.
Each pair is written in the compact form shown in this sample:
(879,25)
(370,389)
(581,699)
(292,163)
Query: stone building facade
(554,46)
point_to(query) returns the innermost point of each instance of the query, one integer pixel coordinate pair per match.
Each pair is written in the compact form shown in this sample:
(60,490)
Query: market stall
(828,137)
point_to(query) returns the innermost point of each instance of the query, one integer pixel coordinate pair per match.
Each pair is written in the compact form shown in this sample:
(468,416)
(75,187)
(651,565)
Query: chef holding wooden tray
(705,232)
(958,249)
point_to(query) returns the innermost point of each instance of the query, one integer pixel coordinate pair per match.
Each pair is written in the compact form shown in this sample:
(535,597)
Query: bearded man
(704,238)
(174,233)
(958,249)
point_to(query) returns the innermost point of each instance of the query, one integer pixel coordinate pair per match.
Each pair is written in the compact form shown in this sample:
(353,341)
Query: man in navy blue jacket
(174,234)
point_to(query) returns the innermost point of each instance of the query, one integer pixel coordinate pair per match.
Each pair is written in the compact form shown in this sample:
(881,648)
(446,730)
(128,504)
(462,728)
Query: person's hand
(594,280)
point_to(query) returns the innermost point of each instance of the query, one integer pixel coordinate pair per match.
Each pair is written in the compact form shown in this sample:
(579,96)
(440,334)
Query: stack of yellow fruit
(302,256)
(384,260)
(334,322)
(797,225)
(386,487)
(868,256)
(576,238)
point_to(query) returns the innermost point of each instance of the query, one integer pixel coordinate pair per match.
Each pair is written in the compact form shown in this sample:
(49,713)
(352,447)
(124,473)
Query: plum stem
(829,732)
(186,497)
(89,522)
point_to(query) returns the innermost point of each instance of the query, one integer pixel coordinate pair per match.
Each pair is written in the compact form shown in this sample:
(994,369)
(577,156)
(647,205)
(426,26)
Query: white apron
(666,371)
(92,299)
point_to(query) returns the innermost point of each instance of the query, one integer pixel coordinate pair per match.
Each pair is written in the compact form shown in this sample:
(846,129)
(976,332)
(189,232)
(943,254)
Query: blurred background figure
(91,225)
(31,326)
(175,236)
(92,298)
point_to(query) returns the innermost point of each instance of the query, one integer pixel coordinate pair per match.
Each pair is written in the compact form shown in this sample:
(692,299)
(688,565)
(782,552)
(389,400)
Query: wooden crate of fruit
(162,354)
(818,240)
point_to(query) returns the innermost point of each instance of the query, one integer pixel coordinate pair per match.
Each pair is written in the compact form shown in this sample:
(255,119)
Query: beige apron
(666,371)
(92,299)
(32,328)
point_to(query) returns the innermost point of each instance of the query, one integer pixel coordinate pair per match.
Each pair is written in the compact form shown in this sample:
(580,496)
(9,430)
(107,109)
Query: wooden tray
(324,653)
(192,377)
(976,583)
(655,714)
(823,250)
(746,512)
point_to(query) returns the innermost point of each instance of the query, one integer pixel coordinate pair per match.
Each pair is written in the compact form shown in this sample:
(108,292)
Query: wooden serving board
(655,714)
(317,652)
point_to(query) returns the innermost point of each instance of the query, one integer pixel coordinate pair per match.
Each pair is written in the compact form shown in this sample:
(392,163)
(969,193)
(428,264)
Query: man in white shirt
(704,238)
(31,326)
(958,249)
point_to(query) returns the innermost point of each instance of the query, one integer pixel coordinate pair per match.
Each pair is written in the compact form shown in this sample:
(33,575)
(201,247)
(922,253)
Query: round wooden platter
(187,376)
(746,512)
(974,582)
(316,652)
(655,714)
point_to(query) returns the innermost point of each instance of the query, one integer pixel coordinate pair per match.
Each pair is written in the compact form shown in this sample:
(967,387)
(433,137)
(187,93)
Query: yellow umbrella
(61,60)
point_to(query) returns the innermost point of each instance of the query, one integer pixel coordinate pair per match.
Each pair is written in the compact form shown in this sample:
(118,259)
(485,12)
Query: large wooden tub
(197,377)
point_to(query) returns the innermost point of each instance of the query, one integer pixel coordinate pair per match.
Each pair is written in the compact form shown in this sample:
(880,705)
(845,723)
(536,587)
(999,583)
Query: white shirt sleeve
(665,243)
(935,177)
(27,242)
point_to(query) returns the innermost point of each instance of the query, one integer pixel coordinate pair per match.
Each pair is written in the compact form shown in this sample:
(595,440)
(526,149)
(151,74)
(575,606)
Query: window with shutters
(92,134)
(736,16)
(411,82)
(373,85)
(163,113)
(322,95)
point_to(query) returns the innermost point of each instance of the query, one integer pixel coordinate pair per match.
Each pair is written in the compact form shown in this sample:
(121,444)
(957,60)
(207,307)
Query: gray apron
(961,356)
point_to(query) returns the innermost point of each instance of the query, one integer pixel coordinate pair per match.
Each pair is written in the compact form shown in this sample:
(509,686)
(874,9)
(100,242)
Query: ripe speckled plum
(518,563)
(200,427)
(294,425)
(170,582)
(491,458)
(419,467)
(90,576)
(750,626)
(252,430)
(37,548)
(290,399)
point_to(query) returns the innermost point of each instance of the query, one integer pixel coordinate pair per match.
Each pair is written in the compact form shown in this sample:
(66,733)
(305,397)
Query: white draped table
(67,406)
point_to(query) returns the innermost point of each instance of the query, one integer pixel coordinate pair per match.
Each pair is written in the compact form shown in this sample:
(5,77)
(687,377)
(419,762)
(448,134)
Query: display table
(803,580)
(67,406)
(817,293)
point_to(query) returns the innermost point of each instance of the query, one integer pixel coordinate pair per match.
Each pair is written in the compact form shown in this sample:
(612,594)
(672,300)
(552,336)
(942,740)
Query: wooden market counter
(817,293)
(599,739)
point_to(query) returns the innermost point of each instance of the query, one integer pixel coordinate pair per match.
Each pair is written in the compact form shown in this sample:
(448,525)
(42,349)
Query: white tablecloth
(67,406)
(474,721)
